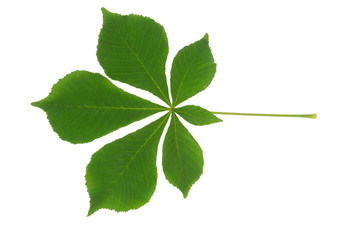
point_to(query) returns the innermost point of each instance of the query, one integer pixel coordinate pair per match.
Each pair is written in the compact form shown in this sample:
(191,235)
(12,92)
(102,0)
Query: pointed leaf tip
(35,104)
(185,192)
(93,209)
(206,37)
(104,10)
(90,212)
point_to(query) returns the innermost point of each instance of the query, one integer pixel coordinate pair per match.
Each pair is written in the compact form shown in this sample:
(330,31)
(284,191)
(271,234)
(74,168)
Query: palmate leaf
(182,157)
(84,106)
(133,49)
(122,175)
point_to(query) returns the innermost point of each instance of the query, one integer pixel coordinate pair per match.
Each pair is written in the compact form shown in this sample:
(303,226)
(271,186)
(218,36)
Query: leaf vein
(135,154)
(102,107)
(141,63)
(184,76)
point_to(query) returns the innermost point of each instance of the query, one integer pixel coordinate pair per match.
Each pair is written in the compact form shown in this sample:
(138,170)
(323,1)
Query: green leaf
(192,70)
(84,106)
(197,115)
(133,49)
(182,157)
(122,175)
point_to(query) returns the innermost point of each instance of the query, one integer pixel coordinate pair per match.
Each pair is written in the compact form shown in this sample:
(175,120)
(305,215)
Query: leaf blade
(122,175)
(182,157)
(196,115)
(84,106)
(133,49)
(192,70)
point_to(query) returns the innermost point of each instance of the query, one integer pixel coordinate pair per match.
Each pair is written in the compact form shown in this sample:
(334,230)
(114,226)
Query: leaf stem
(312,116)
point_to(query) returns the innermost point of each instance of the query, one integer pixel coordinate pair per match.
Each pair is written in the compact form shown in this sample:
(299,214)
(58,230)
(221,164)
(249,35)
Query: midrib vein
(137,152)
(143,65)
(187,113)
(183,78)
(177,145)
(101,107)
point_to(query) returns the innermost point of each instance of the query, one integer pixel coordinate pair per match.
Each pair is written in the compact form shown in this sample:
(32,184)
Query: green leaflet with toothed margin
(84,106)
(197,115)
(133,49)
(192,70)
(182,157)
(122,175)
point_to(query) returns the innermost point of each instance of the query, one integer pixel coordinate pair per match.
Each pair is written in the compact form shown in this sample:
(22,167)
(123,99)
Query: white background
(264,178)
